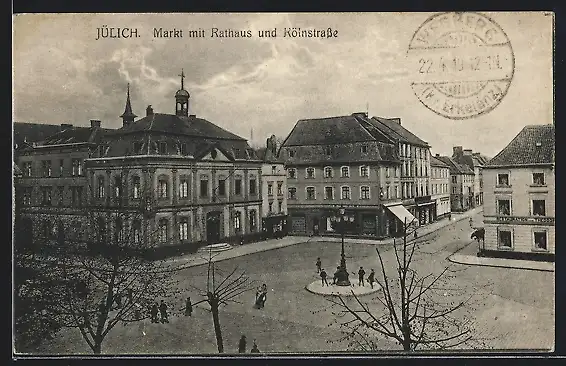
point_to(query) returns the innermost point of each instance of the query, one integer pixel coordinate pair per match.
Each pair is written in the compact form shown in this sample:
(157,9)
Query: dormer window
(291,153)
(163,147)
(364,149)
(328,150)
(183,148)
(137,147)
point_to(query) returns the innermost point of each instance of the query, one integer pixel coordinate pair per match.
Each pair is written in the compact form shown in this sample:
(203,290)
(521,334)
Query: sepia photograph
(192,184)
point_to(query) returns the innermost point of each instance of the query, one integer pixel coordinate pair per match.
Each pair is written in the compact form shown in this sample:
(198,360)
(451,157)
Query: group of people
(361,274)
(242,346)
(161,310)
(261,296)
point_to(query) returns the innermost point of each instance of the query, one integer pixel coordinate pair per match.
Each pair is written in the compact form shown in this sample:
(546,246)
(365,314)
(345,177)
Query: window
(396,189)
(504,239)
(328,150)
(311,193)
(252,220)
(76,196)
(397,171)
(387,192)
(270,207)
(253,186)
(204,186)
(61,192)
(364,192)
(503,179)
(328,172)
(61,167)
(137,147)
(27,169)
(280,204)
(291,153)
(163,232)
(46,196)
(540,240)
(292,173)
(538,179)
(136,231)
(238,186)
(279,188)
(310,173)
(274,169)
(77,167)
(26,196)
(222,187)
(270,189)
(539,208)
(46,168)
(117,187)
(163,147)
(504,207)
(162,188)
(100,188)
(184,188)
(364,171)
(328,193)
(136,186)
(454,179)
(345,193)
(453,190)
(237,221)
(364,149)
(345,172)
(101,226)
(184,228)
(118,230)
(183,149)
(422,191)
(387,174)
(292,193)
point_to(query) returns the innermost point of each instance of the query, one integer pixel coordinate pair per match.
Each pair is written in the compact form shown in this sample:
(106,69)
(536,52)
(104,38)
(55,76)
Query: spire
(182,98)
(128,116)
(182,75)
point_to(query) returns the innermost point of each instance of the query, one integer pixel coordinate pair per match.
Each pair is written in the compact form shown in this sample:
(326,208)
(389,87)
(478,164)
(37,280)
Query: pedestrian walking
(242,344)
(361,274)
(154,311)
(371,278)
(254,348)
(335,278)
(163,312)
(323,277)
(415,234)
(318,265)
(188,307)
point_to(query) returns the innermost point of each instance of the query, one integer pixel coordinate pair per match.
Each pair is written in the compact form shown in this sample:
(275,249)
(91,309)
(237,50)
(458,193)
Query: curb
(497,266)
(345,295)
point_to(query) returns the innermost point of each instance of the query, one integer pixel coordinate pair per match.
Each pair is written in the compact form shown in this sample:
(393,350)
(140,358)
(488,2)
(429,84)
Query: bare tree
(418,312)
(221,291)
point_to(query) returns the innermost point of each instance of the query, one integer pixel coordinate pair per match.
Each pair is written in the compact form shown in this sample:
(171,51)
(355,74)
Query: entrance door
(213,227)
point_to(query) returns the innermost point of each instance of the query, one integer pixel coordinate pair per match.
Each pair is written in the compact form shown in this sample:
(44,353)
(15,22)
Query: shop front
(425,210)
(275,226)
(397,218)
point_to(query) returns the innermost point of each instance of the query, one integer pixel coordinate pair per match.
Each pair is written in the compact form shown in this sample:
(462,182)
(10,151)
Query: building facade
(474,161)
(344,162)
(440,187)
(519,206)
(461,185)
(273,191)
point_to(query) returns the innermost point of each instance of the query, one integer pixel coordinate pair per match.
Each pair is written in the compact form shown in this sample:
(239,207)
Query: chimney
(437,155)
(360,114)
(468,152)
(398,120)
(193,115)
(95,123)
(64,126)
(149,111)
(457,151)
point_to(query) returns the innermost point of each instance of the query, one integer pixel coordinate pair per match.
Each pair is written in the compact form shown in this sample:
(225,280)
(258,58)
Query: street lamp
(341,223)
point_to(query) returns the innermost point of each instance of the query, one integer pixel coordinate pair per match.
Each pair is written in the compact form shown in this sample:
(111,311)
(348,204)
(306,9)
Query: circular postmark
(462,64)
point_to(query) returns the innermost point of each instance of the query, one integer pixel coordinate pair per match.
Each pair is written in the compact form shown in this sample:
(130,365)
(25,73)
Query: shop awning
(426,204)
(401,213)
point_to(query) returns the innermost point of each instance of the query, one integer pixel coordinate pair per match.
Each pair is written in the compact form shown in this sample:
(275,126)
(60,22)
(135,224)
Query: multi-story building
(440,186)
(273,190)
(519,206)
(414,154)
(200,182)
(475,161)
(461,184)
(344,162)
(53,186)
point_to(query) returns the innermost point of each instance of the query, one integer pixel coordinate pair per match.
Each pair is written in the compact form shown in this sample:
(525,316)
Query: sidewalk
(197,259)
(473,260)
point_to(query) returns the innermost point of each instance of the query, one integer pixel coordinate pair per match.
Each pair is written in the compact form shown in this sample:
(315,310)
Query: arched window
(237,221)
(136,187)
(163,232)
(163,187)
(118,230)
(100,187)
(101,230)
(46,229)
(117,187)
(184,187)
(252,220)
(136,231)
(184,228)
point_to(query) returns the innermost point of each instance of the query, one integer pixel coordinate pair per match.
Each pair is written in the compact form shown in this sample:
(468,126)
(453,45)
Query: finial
(128,90)
(182,75)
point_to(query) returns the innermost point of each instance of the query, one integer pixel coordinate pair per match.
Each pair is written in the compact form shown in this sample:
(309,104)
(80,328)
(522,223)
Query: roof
(393,128)
(76,135)
(455,168)
(267,155)
(437,162)
(179,125)
(16,171)
(328,131)
(534,145)
(33,132)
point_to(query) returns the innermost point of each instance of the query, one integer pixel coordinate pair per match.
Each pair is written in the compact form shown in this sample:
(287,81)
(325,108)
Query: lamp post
(341,222)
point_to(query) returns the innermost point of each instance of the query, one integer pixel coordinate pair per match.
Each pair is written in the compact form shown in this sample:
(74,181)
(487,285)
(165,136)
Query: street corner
(334,290)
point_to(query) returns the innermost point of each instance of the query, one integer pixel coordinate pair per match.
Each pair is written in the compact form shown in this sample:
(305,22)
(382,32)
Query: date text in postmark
(461,64)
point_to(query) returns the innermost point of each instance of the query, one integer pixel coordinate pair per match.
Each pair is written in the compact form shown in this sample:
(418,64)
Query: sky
(62,74)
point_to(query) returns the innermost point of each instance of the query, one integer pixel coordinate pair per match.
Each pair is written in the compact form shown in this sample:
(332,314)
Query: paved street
(515,307)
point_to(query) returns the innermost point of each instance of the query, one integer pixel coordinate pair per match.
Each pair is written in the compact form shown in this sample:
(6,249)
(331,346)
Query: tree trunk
(217,330)
(97,349)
